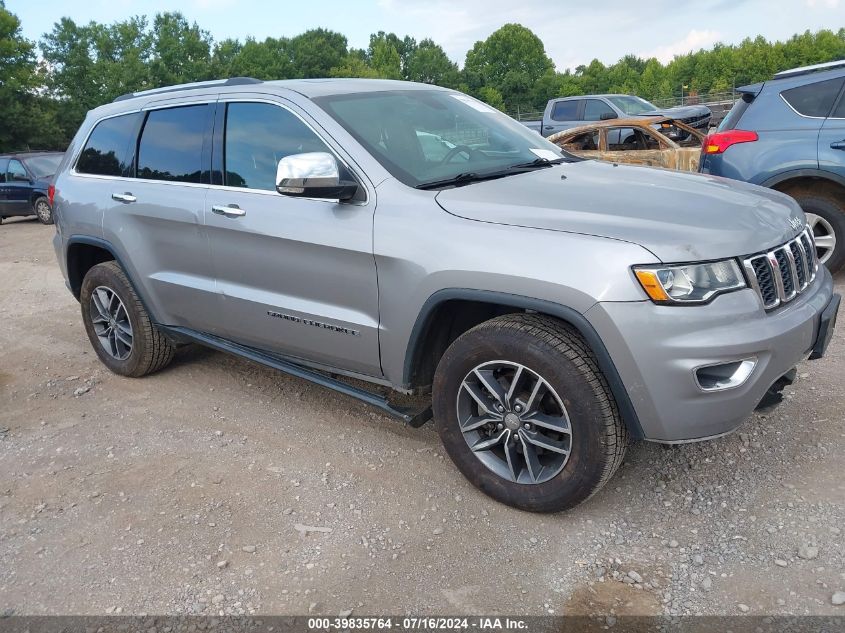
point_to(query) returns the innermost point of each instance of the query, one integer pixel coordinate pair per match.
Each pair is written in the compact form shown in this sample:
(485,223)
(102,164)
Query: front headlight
(689,283)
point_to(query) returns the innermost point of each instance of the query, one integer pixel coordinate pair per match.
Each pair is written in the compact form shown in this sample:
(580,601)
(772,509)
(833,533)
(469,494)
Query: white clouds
(693,41)
(826,4)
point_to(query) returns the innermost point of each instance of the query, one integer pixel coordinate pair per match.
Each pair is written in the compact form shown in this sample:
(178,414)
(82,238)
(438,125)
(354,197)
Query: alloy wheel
(514,422)
(111,322)
(42,210)
(824,236)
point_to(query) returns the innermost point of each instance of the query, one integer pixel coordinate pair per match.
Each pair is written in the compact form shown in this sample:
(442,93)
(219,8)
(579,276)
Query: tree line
(43,98)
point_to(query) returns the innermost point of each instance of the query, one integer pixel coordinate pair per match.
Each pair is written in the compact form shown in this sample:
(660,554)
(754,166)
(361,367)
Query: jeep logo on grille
(796,223)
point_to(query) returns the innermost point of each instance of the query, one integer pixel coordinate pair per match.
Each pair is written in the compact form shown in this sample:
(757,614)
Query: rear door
(4,163)
(636,147)
(832,139)
(18,187)
(297,275)
(157,215)
(563,115)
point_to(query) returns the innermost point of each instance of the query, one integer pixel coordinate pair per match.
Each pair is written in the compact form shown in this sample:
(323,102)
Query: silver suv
(549,308)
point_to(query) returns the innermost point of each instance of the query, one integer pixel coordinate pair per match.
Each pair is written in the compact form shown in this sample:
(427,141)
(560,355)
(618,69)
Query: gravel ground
(219,487)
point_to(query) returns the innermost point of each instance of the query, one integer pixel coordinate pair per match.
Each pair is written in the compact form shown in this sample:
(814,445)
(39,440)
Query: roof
(799,77)
(30,153)
(307,87)
(804,70)
(612,94)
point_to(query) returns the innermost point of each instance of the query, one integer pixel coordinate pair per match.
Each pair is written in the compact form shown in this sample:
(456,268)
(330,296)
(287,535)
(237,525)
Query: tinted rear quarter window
(565,110)
(815,99)
(171,144)
(738,109)
(107,150)
(4,163)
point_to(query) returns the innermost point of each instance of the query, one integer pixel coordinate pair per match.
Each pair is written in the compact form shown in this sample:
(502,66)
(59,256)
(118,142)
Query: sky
(574,32)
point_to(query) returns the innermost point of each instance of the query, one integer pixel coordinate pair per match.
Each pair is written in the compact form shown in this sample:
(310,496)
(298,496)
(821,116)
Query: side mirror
(313,175)
(607,116)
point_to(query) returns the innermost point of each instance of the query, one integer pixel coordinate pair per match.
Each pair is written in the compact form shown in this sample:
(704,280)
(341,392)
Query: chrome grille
(783,273)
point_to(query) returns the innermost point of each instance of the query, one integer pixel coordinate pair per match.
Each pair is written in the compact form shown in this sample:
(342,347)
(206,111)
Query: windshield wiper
(471,176)
(538,162)
(460,179)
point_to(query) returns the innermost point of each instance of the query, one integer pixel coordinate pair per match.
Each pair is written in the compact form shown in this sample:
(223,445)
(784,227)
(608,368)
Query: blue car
(789,134)
(25,184)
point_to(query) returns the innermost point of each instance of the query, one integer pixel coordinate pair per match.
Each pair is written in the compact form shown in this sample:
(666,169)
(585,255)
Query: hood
(681,112)
(679,217)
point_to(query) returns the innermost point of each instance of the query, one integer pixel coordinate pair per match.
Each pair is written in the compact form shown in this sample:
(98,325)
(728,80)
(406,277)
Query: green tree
(315,52)
(270,59)
(511,60)
(181,52)
(385,60)
(429,64)
(26,120)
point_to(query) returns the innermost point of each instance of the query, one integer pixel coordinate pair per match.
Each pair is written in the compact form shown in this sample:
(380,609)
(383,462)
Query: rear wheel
(43,210)
(526,415)
(118,326)
(826,216)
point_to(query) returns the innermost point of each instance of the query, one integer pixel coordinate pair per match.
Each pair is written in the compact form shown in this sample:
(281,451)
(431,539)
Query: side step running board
(414,418)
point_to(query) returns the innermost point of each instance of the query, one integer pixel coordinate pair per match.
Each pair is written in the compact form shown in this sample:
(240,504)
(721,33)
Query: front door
(297,276)
(18,188)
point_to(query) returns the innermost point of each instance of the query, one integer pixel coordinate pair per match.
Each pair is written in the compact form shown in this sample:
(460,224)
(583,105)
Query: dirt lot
(191,491)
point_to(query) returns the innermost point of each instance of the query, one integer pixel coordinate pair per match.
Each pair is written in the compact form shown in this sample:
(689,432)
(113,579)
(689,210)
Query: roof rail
(232,81)
(804,70)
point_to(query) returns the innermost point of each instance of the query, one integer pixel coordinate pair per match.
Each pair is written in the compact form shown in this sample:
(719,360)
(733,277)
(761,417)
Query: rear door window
(107,151)
(172,142)
(565,110)
(4,163)
(814,99)
(595,108)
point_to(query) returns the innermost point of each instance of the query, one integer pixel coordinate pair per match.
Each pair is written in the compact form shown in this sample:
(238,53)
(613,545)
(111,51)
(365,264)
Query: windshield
(43,166)
(427,136)
(632,105)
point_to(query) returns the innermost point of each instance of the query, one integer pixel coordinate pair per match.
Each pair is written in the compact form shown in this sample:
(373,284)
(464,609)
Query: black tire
(151,350)
(555,351)
(43,210)
(827,205)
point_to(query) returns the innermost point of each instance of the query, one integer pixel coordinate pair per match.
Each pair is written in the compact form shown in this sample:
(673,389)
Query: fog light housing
(725,375)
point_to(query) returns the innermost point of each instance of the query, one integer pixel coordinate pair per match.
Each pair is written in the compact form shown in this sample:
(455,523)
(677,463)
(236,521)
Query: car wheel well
(805,182)
(445,323)
(80,259)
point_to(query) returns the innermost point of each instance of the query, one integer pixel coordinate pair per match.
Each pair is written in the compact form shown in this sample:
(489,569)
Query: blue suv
(789,134)
(25,184)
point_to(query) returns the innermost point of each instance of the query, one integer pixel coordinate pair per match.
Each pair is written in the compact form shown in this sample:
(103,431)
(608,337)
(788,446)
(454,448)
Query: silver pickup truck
(564,113)
(413,238)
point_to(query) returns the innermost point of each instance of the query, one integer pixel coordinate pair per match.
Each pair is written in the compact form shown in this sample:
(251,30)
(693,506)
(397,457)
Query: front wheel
(526,415)
(43,210)
(825,213)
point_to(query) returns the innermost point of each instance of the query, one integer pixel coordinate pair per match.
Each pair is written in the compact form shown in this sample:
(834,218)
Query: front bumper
(656,350)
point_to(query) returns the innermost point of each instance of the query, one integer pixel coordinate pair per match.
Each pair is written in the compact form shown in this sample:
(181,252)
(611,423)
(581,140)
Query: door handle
(230,211)
(838,145)
(123,197)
